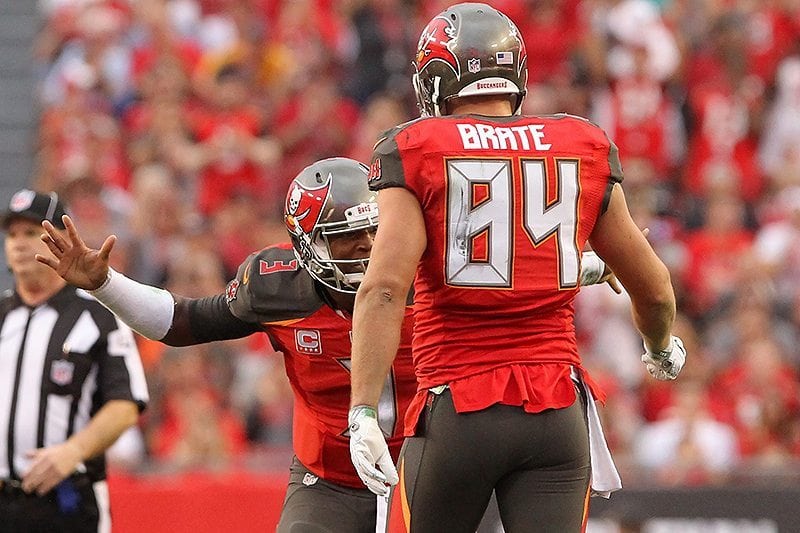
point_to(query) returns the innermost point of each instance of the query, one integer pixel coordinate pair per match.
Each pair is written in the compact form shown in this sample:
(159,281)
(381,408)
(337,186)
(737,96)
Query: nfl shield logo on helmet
(474,65)
(61,372)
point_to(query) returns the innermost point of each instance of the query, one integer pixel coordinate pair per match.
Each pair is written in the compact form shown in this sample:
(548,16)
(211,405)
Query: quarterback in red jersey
(301,294)
(487,212)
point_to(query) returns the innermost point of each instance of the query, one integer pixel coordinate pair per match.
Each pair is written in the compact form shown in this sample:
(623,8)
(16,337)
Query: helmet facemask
(343,275)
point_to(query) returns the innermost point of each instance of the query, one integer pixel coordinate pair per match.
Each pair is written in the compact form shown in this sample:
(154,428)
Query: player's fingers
(32,478)
(49,228)
(72,231)
(49,261)
(51,245)
(371,476)
(368,470)
(53,235)
(376,487)
(387,467)
(613,282)
(108,245)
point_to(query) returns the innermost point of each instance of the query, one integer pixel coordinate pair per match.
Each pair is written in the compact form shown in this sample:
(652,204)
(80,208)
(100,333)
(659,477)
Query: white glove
(368,448)
(592,268)
(665,365)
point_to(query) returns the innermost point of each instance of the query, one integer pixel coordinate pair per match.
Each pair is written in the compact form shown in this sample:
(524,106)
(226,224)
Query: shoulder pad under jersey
(271,286)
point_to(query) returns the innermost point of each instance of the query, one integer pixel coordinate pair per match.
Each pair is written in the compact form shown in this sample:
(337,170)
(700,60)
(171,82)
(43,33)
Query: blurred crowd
(178,124)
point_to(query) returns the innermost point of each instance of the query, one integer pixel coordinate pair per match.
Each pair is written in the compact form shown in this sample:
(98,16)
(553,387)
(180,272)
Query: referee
(71,382)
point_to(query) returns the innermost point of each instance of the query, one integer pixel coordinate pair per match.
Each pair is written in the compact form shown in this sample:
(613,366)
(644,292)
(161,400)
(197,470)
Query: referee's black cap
(36,206)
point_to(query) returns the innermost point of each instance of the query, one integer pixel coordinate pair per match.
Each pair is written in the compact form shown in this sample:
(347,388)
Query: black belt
(13,488)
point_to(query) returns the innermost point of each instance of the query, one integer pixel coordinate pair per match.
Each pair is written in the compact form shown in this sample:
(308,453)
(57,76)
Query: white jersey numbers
(480,215)
(560,216)
(485,186)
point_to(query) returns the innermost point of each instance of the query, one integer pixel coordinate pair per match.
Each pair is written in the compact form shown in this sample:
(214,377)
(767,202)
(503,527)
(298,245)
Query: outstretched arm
(152,312)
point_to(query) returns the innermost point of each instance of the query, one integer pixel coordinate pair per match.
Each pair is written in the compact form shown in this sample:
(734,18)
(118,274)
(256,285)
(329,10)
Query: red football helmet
(469,49)
(327,198)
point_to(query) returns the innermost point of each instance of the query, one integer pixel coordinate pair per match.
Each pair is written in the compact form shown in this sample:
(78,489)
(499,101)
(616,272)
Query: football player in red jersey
(301,294)
(487,212)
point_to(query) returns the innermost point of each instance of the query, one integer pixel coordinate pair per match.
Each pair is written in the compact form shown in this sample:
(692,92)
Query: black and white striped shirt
(59,363)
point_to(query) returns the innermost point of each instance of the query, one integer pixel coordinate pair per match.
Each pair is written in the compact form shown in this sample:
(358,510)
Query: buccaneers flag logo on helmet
(304,207)
(434,45)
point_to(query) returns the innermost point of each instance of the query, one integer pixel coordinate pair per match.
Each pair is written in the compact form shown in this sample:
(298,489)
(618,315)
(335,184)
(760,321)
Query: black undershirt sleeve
(197,321)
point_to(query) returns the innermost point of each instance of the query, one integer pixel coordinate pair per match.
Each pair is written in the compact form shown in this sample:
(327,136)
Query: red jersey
(509,203)
(273,290)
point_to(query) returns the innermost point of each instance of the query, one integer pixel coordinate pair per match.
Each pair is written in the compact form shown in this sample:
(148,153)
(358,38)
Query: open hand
(78,264)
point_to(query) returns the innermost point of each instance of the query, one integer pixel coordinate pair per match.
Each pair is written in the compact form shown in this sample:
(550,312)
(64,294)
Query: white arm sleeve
(147,310)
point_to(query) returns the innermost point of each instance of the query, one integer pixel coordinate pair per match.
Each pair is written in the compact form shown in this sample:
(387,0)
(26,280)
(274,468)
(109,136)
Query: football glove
(595,271)
(368,449)
(665,365)
(592,268)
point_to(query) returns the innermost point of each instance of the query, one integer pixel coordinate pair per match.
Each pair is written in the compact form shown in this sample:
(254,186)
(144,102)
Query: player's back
(509,203)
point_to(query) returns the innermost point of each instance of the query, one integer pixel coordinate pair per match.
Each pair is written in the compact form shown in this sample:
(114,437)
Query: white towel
(382,513)
(605,478)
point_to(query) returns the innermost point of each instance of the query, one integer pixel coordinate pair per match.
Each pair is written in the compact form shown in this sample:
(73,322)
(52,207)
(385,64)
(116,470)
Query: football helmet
(328,198)
(469,49)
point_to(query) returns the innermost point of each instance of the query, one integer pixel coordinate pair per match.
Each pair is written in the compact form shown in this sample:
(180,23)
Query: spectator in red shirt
(233,150)
(726,103)
(758,395)
(714,252)
(195,428)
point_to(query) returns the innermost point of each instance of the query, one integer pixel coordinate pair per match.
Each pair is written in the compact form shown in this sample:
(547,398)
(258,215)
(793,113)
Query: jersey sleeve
(270,287)
(614,164)
(615,174)
(386,168)
(210,319)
